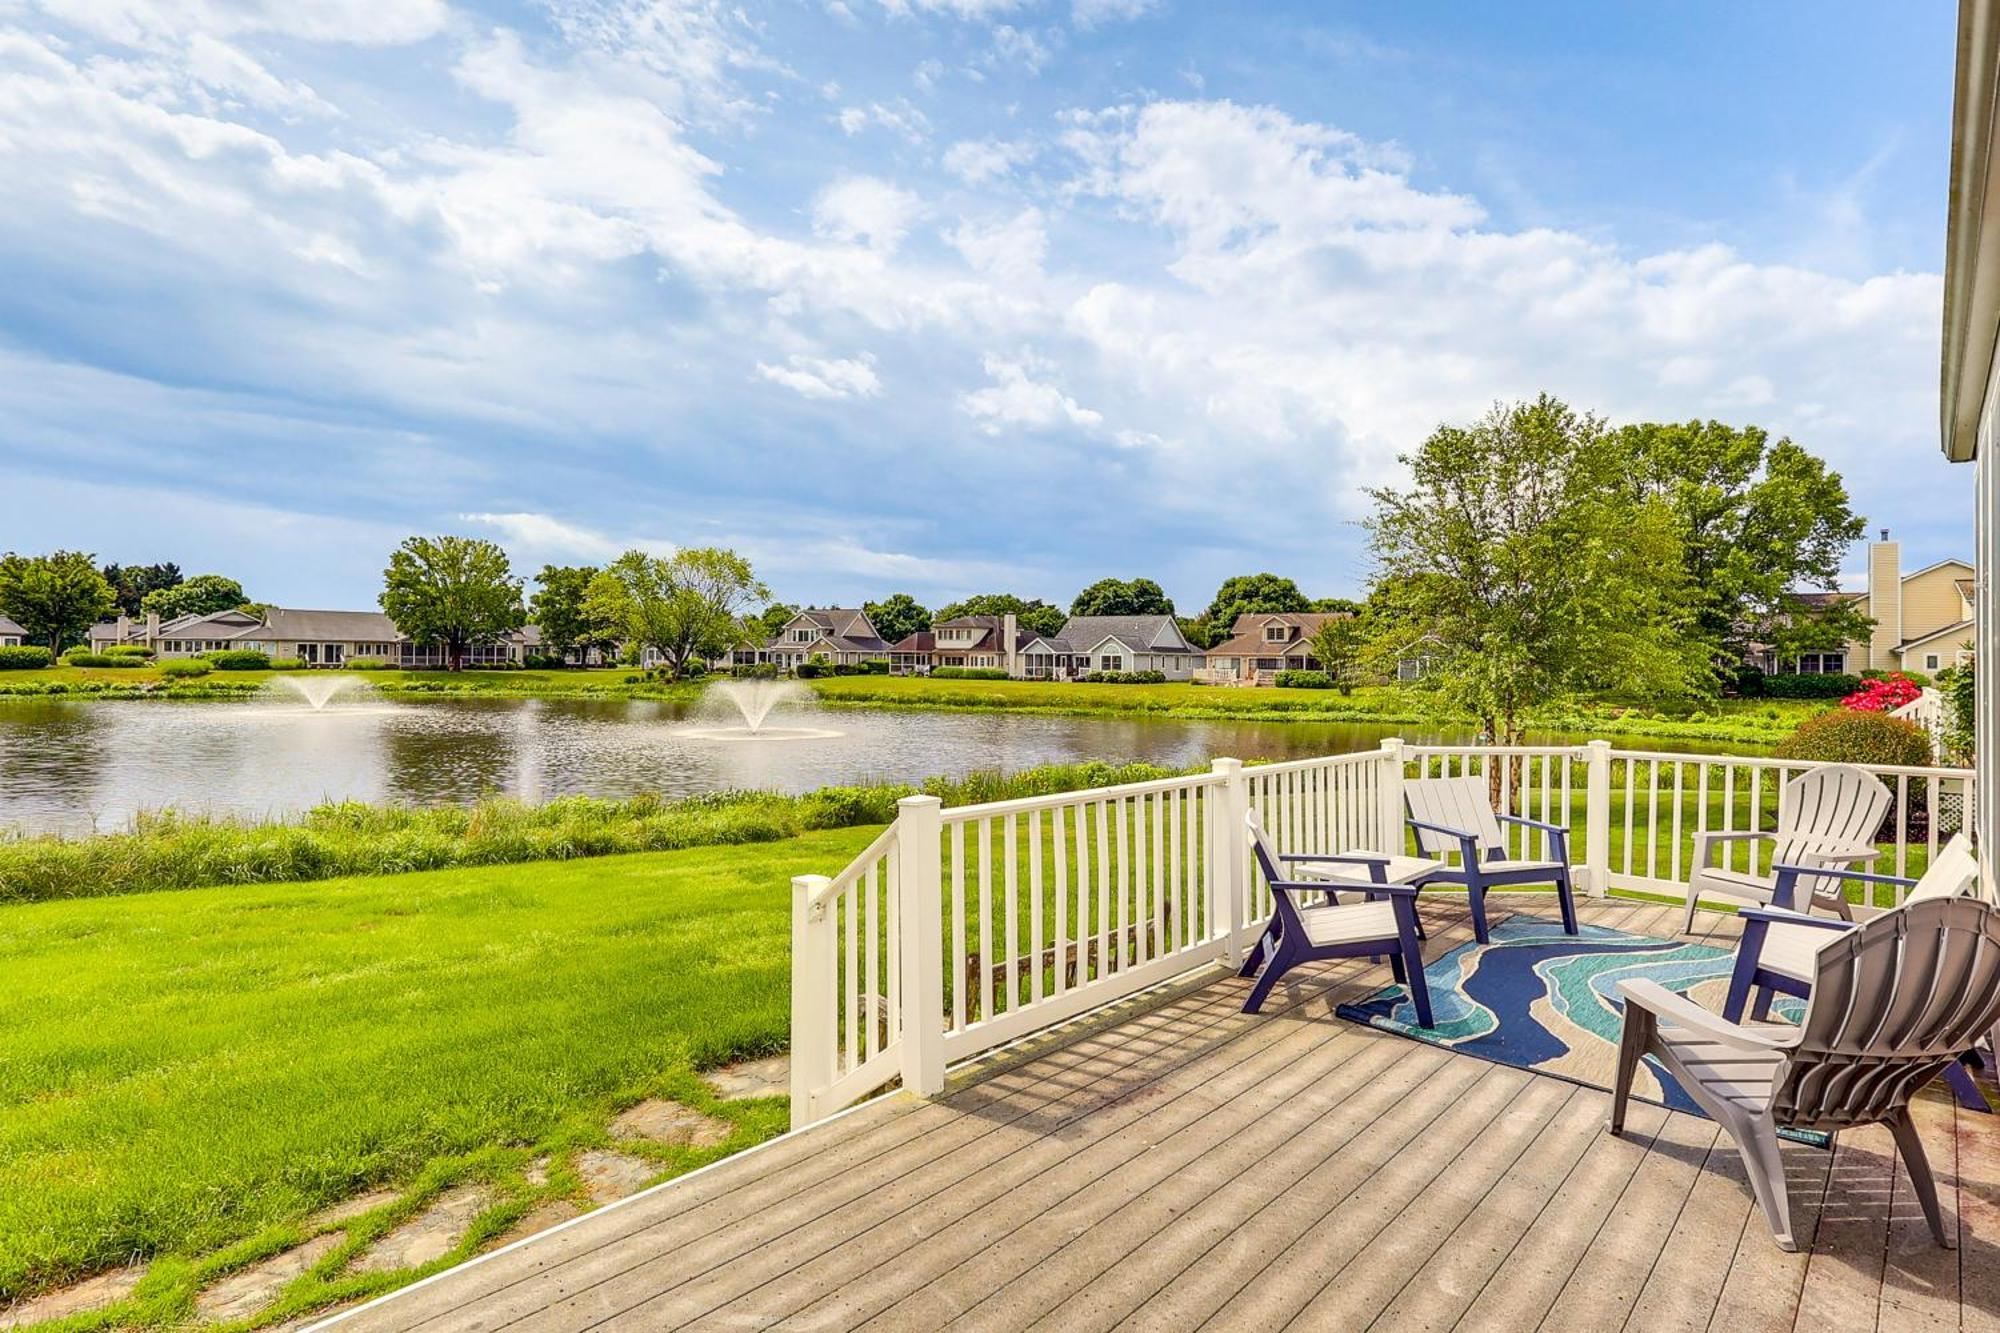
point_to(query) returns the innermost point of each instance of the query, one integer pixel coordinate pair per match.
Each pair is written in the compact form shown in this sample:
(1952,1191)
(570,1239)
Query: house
(844,636)
(981,642)
(11,634)
(315,638)
(1923,620)
(1128,643)
(1261,644)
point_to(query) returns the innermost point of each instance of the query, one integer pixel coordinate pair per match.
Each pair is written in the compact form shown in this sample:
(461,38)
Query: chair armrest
(1740,835)
(1358,858)
(1778,916)
(1842,872)
(1525,822)
(1656,999)
(1707,844)
(1833,849)
(1445,829)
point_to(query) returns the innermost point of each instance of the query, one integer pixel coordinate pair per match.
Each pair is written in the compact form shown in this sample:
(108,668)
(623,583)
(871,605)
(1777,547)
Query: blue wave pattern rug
(1538,999)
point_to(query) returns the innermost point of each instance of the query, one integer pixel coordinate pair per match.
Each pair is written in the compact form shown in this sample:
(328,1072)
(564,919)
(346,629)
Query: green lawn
(129,682)
(185,1071)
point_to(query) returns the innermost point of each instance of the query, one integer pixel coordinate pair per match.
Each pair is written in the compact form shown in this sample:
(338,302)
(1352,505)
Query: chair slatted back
(1836,801)
(1894,1002)
(1459,803)
(1952,873)
(1262,848)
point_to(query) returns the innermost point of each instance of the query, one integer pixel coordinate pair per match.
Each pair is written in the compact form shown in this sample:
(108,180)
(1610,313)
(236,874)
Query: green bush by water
(26,657)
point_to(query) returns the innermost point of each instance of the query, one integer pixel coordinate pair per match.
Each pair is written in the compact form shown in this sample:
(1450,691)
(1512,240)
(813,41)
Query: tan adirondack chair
(1826,816)
(1895,1001)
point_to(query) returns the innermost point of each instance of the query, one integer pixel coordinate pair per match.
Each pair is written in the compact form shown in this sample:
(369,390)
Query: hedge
(237,659)
(367,664)
(27,657)
(129,650)
(90,659)
(968,673)
(1297,679)
(288,664)
(181,668)
(1126,678)
(1845,736)
(1811,687)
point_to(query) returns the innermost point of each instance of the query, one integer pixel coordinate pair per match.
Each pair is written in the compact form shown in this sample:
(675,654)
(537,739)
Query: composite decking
(1186,1165)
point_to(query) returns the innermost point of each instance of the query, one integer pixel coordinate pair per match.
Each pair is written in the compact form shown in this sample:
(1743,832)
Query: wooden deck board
(1188,1165)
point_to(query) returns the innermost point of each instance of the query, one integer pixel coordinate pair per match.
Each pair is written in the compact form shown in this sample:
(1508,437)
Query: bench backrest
(1459,803)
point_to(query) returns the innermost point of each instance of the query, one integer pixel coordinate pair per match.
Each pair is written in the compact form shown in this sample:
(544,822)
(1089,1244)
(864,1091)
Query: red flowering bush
(1884,694)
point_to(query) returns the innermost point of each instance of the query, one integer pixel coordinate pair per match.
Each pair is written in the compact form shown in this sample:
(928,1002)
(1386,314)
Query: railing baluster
(1652,819)
(1104,968)
(1083,955)
(1728,813)
(1062,922)
(1630,801)
(1010,861)
(1902,835)
(851,968)
(986,919)
(1124,885)
(957,978)
(1156,827)
(1035,933)
(1680,784)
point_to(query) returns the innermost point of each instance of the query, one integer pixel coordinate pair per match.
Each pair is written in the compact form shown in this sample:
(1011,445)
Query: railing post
(1597,819)
(815,1023)
(1391,784)
(920,951)
(1233,846)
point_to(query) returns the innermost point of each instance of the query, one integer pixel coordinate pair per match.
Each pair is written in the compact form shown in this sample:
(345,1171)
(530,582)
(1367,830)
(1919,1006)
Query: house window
(1277,633)
(1822,664)
(1270,664)
(802,636)
(1111,662)
(1930,661)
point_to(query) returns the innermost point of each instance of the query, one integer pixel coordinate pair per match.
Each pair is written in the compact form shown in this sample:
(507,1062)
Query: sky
(937,296)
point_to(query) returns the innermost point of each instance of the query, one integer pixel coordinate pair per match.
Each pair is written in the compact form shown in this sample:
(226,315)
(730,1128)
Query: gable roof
(1963,630)
(846,627)
(1247,634)
(1140,633)
(9,626)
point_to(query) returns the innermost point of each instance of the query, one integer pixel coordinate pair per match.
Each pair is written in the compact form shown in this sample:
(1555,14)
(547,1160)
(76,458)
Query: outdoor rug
(1538,999)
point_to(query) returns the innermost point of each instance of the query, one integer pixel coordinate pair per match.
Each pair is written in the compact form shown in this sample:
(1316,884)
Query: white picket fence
(959,930)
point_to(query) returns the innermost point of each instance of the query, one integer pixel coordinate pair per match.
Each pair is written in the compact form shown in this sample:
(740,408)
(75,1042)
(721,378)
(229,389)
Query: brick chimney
(153,629)
(1885,601)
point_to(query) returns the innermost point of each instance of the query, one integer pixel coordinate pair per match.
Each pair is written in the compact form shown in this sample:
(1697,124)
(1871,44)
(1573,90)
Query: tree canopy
(454,591)
(558,610)
(897,617)
(56,598)
(1337,646)
(1756,522)
(1245,594)
(1530,570)
(685,606)
(1035,616)
(202,595)
(1122,597)
(131,583)
(771,621)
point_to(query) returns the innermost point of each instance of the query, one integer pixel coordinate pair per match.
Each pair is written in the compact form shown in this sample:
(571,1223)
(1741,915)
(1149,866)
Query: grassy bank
(169,851)
(182,1072)
(1747,721)
(148,682)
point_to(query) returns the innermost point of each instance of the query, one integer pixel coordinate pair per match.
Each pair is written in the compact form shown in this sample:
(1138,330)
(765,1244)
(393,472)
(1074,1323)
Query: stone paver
(248,1290)
(90,1294)
(663,1121)
(429,1235)
(349,1209)
(611,1175)
(768,1077)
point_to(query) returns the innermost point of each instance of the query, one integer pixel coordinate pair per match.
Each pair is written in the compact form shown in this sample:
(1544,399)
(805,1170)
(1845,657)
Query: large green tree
(1122,597)
(56,598)
(686,606)
(131,583)
(1337,646)
(1246,594)
(558,610)
(1758,521)
(897,617)
(1530,572)
(454,591)
(202,595)
(771,621)
(1035,616)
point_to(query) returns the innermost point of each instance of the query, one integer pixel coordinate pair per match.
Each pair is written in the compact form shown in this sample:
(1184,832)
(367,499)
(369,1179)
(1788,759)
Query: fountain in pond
(741,710)
(317,690)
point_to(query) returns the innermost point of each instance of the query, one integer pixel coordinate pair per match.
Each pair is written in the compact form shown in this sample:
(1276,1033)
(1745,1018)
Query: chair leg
(1413,979)
(1919,1167)
(1566,899)
(1475,897)
(1739,994)
(1636,1036)
(1253,957)
(1281,962)
(1694,902)
(1760,1012)
(1757,1143)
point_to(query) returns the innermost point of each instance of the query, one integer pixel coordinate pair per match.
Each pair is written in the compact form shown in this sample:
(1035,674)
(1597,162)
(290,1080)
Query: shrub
(129,650)
(1811,687)
(237,659)
(968,673)
(1845,736)
(366,664)
(1296,679)
(288,664)
(1126,677)
(82,656)
(814,666)
(875,666)
(182,668)
(1749,682)
(77,657)
(755,671)
(1883,694)
(27,657)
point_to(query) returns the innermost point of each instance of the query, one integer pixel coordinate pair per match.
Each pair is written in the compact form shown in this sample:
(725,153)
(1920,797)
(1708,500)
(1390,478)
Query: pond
(73,767)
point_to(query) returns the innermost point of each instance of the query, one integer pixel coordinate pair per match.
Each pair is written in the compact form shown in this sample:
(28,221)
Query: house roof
(1248,632)
(8,626)
(1972,247)
(1963,629)
(922,641)
(1139,633)
(285,624)
(846,627)
(925,641)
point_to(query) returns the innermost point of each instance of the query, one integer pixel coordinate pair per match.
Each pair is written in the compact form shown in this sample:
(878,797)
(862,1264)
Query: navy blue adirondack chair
(1309,922)
(1779,951)
(1452,815)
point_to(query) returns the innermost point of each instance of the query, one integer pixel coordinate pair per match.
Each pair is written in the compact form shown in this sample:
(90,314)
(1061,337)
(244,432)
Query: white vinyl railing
(959,930)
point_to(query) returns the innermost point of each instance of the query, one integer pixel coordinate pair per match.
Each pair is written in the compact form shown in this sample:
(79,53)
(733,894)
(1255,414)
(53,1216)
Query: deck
(1187,1165)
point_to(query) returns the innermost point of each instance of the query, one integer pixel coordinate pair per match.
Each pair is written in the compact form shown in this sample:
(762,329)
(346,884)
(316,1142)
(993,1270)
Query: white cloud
(545,535)
(1091,13)
(1015,399)
(976,161)
(898,117)
(1010,251)
(962,9)
(165,22)
(866,208)
(818,377)
(1019,46)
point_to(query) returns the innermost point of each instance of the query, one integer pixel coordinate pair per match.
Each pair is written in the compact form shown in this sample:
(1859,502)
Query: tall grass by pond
(169,850)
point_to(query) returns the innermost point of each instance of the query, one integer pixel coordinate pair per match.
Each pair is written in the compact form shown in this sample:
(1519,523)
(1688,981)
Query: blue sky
(930,295)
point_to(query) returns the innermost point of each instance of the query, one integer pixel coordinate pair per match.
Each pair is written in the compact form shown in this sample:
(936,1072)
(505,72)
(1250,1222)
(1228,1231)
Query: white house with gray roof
(316,638)
(11,634)
(1128,643)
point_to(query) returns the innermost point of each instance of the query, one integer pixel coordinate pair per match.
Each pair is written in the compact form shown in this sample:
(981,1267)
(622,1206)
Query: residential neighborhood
(1923,620)
(312,638)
